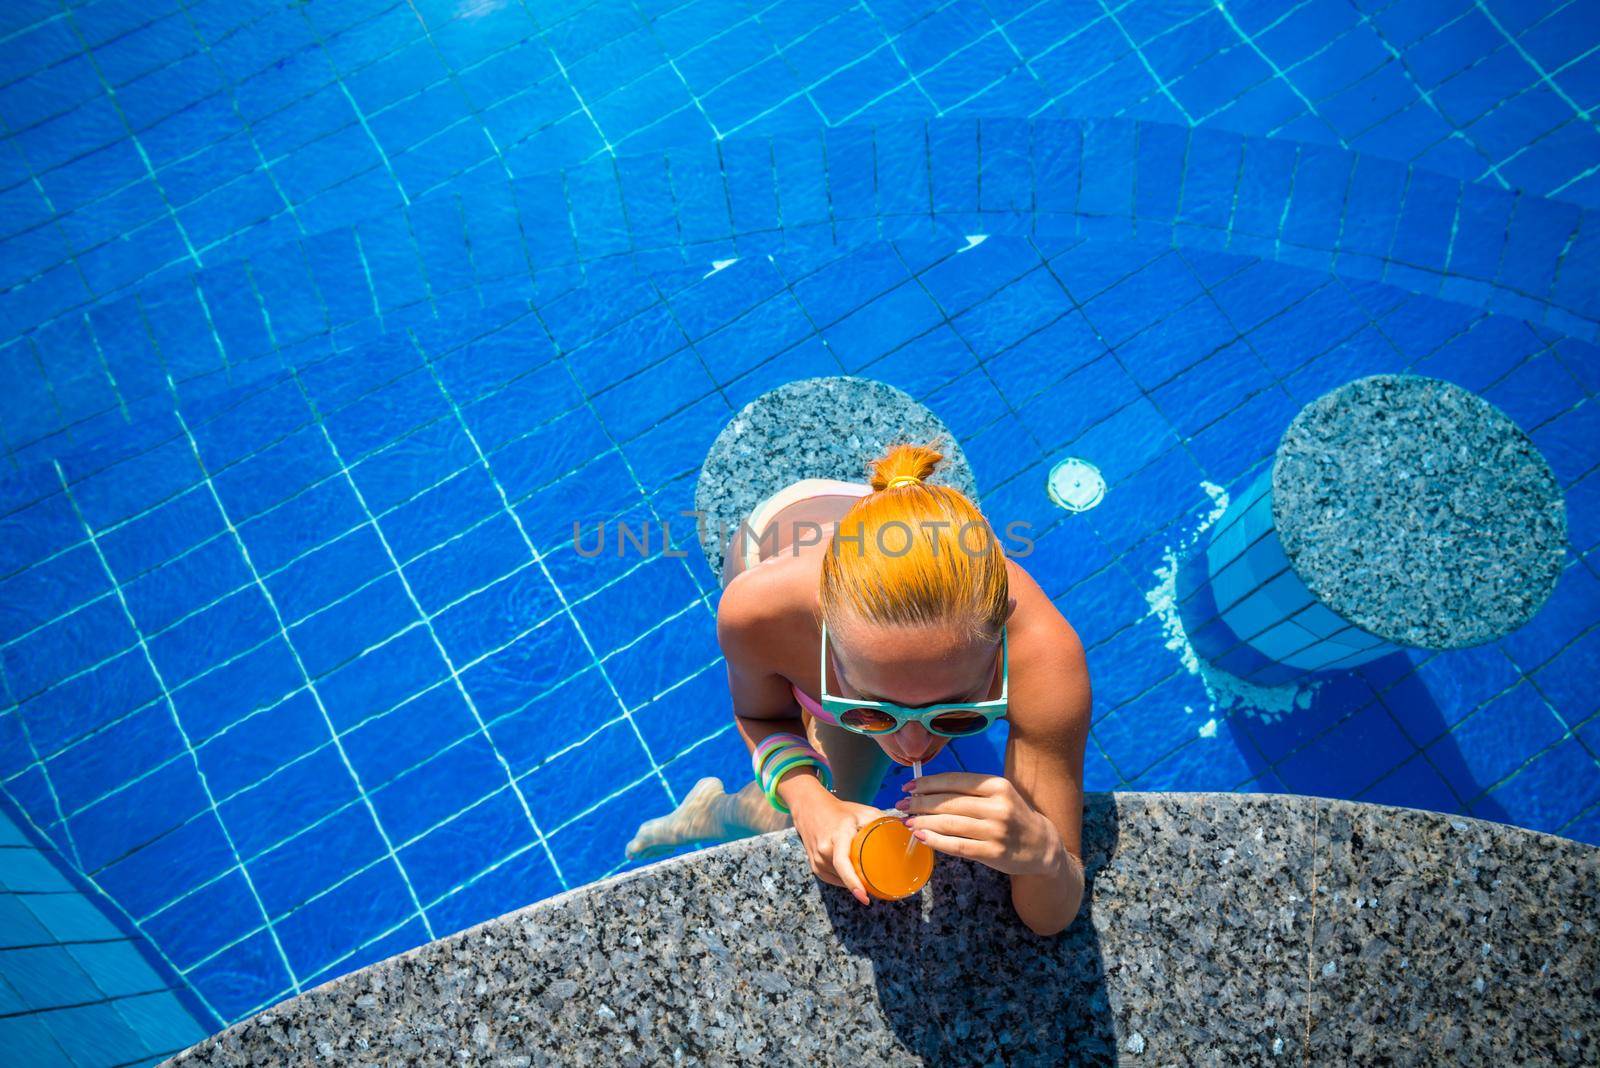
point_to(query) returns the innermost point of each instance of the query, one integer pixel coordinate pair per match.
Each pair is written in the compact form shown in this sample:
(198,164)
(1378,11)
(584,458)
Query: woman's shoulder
(1037,616)
(1049,671)
(769,598)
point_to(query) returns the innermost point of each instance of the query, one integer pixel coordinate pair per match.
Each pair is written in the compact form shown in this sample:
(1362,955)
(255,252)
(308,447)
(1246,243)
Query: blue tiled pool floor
(322,630)
(323,323)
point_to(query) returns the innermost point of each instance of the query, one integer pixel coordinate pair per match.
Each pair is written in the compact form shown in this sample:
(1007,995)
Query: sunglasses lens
(868,720)
(959,723)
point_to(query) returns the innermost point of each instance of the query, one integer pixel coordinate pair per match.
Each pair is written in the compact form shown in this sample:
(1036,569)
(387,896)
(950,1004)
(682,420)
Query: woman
(919,607)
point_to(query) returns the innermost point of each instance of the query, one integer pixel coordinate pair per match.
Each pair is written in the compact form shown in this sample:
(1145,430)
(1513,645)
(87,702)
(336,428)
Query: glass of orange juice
(892,864)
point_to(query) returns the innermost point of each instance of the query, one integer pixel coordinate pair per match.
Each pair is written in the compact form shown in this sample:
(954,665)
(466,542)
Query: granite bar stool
(813,428)
(1398,511)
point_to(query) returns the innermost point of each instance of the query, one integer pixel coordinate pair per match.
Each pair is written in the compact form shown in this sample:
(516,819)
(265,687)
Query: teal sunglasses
(877,718)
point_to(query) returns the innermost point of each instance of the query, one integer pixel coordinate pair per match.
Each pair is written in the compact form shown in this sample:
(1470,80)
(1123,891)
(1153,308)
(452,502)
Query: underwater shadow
(961,980)
(1362,731)
(1357,739)
(1422,714)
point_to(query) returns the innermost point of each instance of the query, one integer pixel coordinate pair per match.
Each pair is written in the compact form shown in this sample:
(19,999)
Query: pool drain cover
(1076,485)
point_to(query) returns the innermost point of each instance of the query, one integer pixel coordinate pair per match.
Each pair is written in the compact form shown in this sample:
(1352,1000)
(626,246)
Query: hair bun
(904,465)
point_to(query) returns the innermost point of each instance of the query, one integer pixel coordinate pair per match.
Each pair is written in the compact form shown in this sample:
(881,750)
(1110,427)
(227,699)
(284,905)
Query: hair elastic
(903,480)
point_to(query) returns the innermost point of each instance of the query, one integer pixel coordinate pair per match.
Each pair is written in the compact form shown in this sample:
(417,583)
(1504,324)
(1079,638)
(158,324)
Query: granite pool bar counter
(1218,929)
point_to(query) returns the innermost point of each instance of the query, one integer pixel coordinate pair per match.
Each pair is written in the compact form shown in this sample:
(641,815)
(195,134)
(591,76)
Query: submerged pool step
(487,240)
(242,128)
(1111,178)
(786,303)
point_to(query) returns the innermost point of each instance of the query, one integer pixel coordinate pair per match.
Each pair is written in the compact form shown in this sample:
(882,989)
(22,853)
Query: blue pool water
(324,322)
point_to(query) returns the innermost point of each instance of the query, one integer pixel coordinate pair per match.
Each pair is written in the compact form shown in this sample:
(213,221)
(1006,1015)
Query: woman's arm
(749,626)
(762,702)
(1046,768)
(1044,761)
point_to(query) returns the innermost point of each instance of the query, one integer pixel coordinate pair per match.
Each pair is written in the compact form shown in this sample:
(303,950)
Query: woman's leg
(858,763)
(708,814)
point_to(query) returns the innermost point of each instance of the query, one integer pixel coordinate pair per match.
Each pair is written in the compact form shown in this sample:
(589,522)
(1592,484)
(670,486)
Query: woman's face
(911,666)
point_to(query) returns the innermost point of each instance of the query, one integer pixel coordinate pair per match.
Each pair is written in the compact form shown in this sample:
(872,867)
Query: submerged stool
(813,428)
(1398,511)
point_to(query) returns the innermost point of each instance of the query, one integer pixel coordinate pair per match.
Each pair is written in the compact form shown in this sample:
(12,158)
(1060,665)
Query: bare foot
(708,814)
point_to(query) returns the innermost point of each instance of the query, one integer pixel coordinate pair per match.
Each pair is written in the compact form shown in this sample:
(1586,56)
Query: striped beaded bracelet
(782,754)
(790,761)
(768,759)
(784,759)
(771,744)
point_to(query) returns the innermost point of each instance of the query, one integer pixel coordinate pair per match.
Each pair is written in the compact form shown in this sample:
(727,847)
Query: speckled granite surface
(1219,929)
(1418,511)
(814,428)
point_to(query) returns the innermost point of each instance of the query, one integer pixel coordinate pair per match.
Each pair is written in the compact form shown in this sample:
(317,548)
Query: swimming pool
(328,321)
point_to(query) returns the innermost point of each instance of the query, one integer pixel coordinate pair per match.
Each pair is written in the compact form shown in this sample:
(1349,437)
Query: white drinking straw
(916,772)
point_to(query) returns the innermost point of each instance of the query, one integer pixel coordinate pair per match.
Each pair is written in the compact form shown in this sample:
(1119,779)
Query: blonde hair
(914,554)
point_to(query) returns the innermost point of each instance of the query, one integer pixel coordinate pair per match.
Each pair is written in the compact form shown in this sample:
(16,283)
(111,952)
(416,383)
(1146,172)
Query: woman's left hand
(982,818)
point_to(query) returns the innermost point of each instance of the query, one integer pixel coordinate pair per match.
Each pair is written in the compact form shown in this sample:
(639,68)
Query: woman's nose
(915,740)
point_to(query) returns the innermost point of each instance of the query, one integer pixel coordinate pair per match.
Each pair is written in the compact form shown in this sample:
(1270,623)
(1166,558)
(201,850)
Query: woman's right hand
(827,826)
